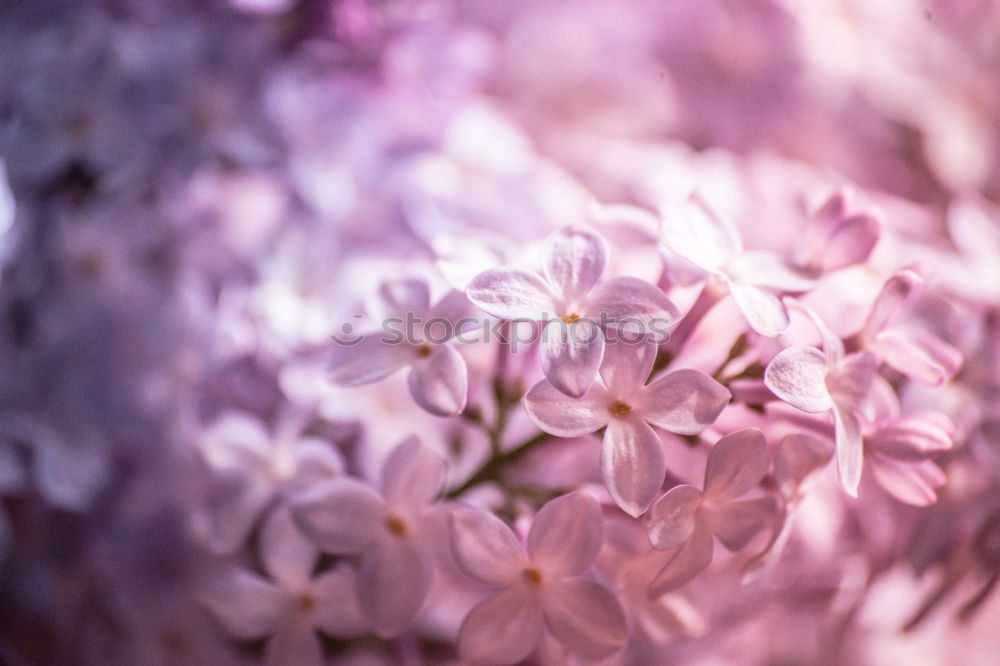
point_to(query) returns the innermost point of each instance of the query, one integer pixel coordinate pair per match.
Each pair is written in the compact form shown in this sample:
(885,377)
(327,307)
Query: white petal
(343,517)
(412,475)
(566,534)
(797,375)
(503,629)
(586,618)
(440,382)
(397,298)
(633,307)
(699,235)
(765,269)
(570,355)
(509,293)
(672,518)
(485,548)
(393,582)
(763,310)
(626,367)
(575,258)
(558,414)
(684,401)
(633,464)
(735,523)
(368,358)
(849,448)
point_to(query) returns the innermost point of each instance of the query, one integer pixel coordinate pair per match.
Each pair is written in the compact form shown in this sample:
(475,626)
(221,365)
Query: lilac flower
(237,447)
(910,350)
(686,518)
(290,606)
(836,237)
(713,244)
(347,517)
(899,453)
(815,382)
(684,401)
(574,303)
(438,378)
(541,585)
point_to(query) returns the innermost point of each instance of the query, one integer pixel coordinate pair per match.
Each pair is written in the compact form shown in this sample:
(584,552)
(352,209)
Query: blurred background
(196,193)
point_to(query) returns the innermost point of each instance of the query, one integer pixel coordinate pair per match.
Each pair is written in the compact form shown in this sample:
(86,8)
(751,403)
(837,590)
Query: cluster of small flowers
(374,333)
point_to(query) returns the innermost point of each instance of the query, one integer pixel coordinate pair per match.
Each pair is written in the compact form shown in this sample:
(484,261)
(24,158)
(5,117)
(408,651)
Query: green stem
(492,468)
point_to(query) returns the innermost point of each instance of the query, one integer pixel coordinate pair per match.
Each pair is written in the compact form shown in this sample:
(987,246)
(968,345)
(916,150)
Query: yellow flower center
(571,317)
(423,351)
(533,576)
(620,409)
(396,526)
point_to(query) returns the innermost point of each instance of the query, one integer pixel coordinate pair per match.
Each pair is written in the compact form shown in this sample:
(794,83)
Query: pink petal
(797,375)
(892,302)
(294,644)
(766,269)
(914,438)
(736,464)
(236,441)
(762,309)
(509,293)
(626,367)
(918,354)
(850,382)
(247,606)
(558,414)
(343,516)
(316,461)
(850,242)
(575,258)
(586,618)
(412,475)
(566,534)
(908,482)
(288,556)
(440,382)
(735,523)
(632,306)
(633,464)
(337,611)
(368,359)
(451,309)
(485,548)
(699,235)
(570,355)
(850,449)
(672,519)
(392,585)
(799,456)
(693,558)
(684,401)
(397,298)
(503,629)
(232,517)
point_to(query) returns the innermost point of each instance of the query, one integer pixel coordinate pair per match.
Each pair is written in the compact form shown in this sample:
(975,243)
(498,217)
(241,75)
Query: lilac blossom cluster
(536,331)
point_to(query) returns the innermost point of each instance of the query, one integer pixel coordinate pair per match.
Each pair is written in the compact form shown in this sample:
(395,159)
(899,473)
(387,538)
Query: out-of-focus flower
(541,584)
(238,448)
(836,236)
(292,604)
(686,518)
(575,305)
(347,517)
(632,459)
(438,378)
(712,244)
(814,382)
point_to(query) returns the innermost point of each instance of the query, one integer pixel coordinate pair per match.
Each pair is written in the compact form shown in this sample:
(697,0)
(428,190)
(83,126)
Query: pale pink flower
(815,382)
(348,517)
(438,378)
(290,606)
(913,351)
(712,244)
(837,235)
(239,449)
(899,450)
(686,518)
(542,585)
(683,401)
(574,303)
